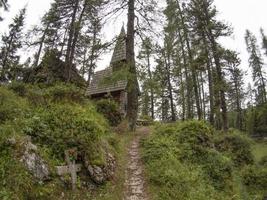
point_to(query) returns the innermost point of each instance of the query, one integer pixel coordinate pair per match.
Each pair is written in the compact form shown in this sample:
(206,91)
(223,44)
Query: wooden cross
(71,168)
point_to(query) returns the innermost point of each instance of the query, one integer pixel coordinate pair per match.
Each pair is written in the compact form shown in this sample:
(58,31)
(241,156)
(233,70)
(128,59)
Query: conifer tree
(145,57)
(12,42)
(264,41)
(204,23)
(3,4)
(161,93)
(235,84)
(256,64)
(137,12)
(47,35)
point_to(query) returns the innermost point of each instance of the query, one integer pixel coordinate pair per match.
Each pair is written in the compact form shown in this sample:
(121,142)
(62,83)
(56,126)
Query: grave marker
(71,168)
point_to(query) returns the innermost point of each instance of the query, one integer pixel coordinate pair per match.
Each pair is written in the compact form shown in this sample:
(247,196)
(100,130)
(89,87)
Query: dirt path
(135,187)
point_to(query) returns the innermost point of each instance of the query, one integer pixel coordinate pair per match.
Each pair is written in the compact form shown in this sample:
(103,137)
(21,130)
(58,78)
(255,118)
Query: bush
(55,122)
(64,126)
(19,88)
(236,146)
(15,181)
(110,110)
(196,138)
(182,162)
(11,106)
(42,94)
(255,178)
(256,118)
(218,169)
(169,177)
(65,92)
(263,161)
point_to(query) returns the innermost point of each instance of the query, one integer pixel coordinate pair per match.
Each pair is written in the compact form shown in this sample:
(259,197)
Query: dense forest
(195,122)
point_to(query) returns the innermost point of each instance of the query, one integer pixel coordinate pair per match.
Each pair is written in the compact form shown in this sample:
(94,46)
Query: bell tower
(119,55)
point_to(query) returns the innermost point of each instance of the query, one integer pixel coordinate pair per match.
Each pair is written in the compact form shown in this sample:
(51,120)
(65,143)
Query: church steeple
(119,54)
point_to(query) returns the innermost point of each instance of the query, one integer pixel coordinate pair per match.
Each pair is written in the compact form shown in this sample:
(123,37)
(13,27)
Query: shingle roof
(119,53)
(97,86)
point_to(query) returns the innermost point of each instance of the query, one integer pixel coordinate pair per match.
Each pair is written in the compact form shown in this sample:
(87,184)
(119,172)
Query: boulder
(101,174)
(33,162)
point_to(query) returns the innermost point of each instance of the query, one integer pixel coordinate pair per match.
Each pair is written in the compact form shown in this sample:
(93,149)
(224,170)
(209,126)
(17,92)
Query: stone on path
(135,181)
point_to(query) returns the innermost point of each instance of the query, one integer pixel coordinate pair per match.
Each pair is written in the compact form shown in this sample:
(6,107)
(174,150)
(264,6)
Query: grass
(259,150)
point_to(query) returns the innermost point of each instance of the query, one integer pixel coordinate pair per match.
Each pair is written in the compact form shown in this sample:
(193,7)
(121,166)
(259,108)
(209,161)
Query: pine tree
(145,57)
(161,93)
(204,24)
(47,35)
(4,4)
(256,63)
(12,42)
(264,41)
(235,84)
(90,46)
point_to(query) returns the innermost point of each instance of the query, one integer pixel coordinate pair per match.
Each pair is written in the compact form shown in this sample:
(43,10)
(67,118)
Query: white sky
(241,14)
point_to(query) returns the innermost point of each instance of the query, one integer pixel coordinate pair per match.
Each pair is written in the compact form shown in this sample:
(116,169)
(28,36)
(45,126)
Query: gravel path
(135,182)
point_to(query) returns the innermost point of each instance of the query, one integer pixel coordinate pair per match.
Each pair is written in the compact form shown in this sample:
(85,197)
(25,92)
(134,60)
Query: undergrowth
(190,160)
(56,117)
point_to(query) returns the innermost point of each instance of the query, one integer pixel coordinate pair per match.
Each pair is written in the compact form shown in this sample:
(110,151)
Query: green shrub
(15,180)
(170,179)
(19,88)
(263,161)
(110,110)
(11,106)
(236,146)
(41,94)
(182,163)
(65,92)
(218,169)
(64,126)
(256,118)
(196,133)
(168,176)
(255,178)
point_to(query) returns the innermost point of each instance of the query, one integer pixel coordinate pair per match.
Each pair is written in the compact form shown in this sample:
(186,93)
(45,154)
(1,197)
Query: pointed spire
(119,53)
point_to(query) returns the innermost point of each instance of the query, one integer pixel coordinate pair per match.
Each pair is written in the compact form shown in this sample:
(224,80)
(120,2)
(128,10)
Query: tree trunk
(132,86)
(41,46)
(70,40)
(238,107)
(151,87)
(203,95)
(90,70)
(76,33)
(192,66)
(220,83)
(189,114)
(3,73)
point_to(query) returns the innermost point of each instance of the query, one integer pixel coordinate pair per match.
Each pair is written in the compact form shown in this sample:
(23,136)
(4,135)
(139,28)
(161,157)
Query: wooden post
(72,168)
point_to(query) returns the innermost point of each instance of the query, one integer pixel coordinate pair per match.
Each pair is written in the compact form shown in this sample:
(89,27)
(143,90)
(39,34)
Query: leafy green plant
(110,109)
(11,106)
(255,177)
(182,162)
(64,126)
(263,161)
(237,146)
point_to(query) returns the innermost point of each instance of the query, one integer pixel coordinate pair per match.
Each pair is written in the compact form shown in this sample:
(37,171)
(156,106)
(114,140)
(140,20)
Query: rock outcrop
(32,160)
(102,174)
